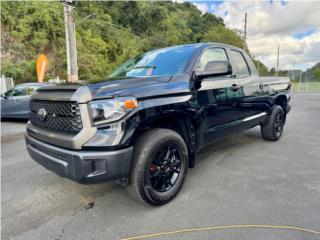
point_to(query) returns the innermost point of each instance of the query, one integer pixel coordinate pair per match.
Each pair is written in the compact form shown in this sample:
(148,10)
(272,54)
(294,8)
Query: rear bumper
(288,107)
(81,166)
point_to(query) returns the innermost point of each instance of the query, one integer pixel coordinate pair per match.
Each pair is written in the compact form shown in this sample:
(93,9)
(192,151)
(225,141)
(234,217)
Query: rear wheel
(272,128)
(159,166)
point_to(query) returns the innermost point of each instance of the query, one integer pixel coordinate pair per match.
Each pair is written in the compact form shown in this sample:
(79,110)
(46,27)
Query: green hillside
(107,34)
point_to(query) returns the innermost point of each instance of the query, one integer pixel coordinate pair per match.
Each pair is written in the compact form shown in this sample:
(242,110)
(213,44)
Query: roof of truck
(203,45)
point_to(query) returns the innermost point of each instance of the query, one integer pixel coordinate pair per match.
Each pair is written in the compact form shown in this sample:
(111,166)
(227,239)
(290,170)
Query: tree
(107,34)
(221,34)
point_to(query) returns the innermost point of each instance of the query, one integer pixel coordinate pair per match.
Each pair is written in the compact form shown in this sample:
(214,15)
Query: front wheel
(272,128)
(159,166)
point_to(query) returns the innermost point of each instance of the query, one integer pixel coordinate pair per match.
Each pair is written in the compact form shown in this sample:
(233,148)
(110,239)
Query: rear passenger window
(240,64)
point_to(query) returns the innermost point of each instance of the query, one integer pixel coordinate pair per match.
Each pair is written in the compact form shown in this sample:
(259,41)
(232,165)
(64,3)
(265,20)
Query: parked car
(144,126)
(15,102)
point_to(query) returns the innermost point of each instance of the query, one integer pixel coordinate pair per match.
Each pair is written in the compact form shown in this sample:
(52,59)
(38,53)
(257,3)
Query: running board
(254,117)
(231,124)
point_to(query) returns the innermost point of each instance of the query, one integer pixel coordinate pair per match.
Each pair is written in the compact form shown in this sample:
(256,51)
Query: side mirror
(4,95)
(215,69)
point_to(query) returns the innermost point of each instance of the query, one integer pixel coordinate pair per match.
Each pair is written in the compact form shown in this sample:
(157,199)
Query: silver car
(15,102)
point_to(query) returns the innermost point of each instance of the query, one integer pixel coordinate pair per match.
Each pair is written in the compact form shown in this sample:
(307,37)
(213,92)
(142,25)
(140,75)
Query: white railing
(6,84)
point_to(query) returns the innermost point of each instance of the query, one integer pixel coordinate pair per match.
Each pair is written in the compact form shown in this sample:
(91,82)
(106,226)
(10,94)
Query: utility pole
(278,60)
(245,31)
(258,64)
(70,41)
(299,88)
(307,82)
(294,70)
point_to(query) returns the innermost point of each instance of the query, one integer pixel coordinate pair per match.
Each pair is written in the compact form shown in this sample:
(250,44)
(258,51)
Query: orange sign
(41,67)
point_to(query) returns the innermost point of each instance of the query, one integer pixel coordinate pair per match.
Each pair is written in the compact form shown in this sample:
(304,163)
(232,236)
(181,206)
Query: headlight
(110,110)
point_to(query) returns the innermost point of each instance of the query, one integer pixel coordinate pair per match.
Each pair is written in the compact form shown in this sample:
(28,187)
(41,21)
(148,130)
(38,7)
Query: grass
(306,87)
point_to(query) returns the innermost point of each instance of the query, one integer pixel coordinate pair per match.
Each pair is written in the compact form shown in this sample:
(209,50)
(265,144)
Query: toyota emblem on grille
(42,113)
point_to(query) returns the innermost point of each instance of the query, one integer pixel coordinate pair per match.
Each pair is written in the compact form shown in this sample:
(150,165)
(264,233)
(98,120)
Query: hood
(136,86)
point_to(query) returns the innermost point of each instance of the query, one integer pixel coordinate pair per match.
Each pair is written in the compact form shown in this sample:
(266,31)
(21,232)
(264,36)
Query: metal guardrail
(306,87)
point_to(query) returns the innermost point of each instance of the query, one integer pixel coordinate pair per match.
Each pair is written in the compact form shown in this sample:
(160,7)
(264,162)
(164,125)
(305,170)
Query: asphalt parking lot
(240,180)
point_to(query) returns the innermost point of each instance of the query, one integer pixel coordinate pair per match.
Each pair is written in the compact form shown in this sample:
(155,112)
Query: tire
(156,158)
(272,128)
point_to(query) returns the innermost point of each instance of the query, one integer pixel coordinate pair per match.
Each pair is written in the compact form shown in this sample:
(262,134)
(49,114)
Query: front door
(217,100)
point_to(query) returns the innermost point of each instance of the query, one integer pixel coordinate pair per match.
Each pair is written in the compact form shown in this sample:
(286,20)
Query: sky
(294,25)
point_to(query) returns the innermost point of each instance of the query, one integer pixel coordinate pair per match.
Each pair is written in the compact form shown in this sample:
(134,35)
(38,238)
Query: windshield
(162,62)
(19,90)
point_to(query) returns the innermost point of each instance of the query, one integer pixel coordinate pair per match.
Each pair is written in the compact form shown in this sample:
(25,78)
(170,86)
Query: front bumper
(81,166)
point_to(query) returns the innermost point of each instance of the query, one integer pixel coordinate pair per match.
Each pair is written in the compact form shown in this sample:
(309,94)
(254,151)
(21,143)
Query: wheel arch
(174,120)
(281,100)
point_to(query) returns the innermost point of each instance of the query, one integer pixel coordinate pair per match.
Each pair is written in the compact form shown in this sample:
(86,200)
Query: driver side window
(209,55)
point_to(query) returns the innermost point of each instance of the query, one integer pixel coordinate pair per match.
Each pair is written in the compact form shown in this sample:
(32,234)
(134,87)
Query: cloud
(294,25)
(203,7)
(300,52)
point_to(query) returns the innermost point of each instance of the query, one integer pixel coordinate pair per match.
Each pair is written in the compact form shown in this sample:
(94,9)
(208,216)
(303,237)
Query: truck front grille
(57,116)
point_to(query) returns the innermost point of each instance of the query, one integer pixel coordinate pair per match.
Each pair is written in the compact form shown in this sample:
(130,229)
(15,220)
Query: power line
(124,28)
(138,34)
(135,48)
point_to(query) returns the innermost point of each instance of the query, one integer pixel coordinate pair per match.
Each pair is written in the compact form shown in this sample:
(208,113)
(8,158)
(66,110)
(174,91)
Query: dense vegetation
(312,74)
(30,28)
(107,34)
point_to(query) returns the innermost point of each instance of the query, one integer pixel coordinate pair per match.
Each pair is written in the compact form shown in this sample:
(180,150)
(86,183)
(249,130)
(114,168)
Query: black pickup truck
(143,126)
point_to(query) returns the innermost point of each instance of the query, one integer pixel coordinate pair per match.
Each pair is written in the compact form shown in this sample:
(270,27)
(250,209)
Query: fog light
(98,167)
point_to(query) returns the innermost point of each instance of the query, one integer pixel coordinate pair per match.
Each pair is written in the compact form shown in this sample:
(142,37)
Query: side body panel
(15,107)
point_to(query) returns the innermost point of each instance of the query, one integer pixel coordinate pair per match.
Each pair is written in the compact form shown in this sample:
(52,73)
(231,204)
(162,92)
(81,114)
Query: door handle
(235,87)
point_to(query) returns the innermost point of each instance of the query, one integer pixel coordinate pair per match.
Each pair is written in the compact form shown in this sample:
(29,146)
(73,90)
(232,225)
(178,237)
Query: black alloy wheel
(272,126)
(159,166)
(278,124)
(165,168)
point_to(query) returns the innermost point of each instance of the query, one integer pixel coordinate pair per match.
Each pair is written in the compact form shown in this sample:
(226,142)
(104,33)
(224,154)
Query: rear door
(249,93)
